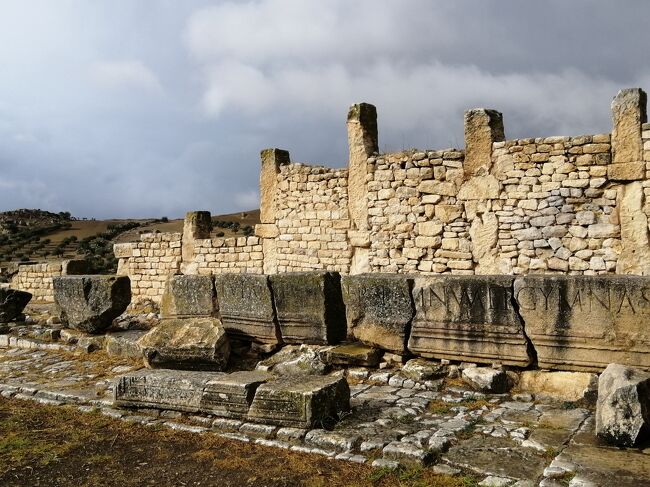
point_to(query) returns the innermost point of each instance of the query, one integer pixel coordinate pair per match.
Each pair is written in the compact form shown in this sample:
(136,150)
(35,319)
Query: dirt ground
(60,446)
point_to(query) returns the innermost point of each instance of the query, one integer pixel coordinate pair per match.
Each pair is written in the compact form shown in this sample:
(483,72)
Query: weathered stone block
(469,318)
(12,303)
(623,406)
(567,386)
(190,343)
(187,296)
(304,402)
(486,379)
(626,171)
(379,309)
(309,307)
(584,323)
(628,114)
(224,395)
(482,128)
(230,395)
(479,188)
(352,354)
(162,389)
(295,360)
(271,159)
(246,307)
(124,343)
(91,303)
(362,142)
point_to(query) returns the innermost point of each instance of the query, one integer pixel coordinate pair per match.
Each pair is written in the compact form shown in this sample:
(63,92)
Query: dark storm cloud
(121,108)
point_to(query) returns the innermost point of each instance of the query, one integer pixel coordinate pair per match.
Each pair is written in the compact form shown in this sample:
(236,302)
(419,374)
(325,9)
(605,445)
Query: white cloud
(125,74)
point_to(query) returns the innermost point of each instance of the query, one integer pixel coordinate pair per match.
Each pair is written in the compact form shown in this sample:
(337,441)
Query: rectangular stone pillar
(483,127)
(197,225)
(628,115)
(363,142)
(272,159)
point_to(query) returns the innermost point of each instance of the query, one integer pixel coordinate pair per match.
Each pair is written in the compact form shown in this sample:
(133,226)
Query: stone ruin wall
(312,219)
(149,263)
(37,278)
(555,205)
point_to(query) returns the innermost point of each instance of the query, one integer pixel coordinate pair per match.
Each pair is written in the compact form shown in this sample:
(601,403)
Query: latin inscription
(482,303)
(587,300)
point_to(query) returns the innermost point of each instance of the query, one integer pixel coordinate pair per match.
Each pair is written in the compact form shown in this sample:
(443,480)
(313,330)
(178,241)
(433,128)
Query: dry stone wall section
(37,278)
(555,205)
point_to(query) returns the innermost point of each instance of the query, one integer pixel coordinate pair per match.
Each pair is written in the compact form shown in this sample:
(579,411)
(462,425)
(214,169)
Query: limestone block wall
(556,205)
(149,263)
(413,207)
(312,219)
(228,255)
(37,278)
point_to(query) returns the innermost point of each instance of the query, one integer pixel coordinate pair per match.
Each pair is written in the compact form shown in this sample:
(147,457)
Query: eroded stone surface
(190,343)
(585,323)
(485,379)
(246,307)
(91,303)
(467,318)
(309,307)
(352,354)
(295,360)
(379,309)
(187,296)
(623,407)
(568,386)
(304,402)
(12,303)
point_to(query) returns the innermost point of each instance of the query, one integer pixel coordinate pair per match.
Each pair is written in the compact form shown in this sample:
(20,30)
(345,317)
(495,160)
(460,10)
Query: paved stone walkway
(509,440)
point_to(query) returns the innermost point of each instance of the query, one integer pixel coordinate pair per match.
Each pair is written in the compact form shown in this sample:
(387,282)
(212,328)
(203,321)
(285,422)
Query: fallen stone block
(309,307)
(407,453)
(422,370)
(566,386)
(188,296)
(91,303)
(468,318)
(124,343)
(230,395)
(162,389)
(190,343)
(584,323)
(300,402)
(295,360)
(486,379)
(224,395)
(623,406)
(246,307)
(12,303)
(352,354)
(379,309)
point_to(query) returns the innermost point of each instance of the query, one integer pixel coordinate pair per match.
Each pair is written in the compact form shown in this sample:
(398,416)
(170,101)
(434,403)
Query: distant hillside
(37,235)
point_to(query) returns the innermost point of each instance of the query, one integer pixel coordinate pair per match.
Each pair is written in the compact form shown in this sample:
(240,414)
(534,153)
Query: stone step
(253,396)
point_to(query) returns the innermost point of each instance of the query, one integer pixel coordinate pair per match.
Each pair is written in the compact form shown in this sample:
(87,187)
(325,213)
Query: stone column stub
(272,160)
(363,142)
(197,225)
(483,127)
(628,116)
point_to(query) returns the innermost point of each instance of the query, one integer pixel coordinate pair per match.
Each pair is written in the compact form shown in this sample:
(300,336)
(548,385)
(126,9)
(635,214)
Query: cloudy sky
(149,108)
